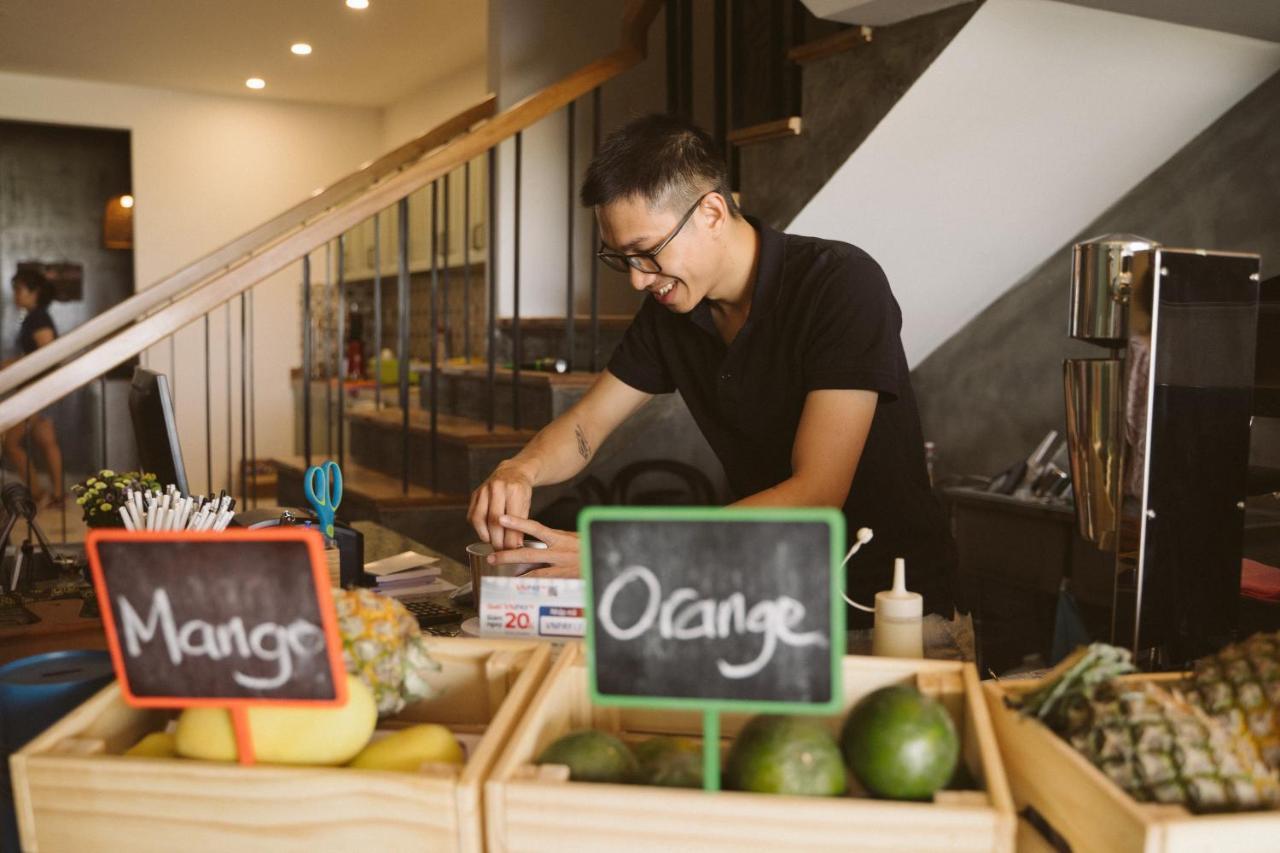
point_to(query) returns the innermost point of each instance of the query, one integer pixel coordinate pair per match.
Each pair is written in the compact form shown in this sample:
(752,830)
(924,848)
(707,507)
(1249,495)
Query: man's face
(688,261)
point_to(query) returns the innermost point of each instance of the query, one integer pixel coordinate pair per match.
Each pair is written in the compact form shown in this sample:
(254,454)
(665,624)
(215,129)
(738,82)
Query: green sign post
(714,609)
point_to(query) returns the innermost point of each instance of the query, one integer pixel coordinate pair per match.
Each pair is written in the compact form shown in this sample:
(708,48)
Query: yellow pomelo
(284,734)
(154,745)
(410,748)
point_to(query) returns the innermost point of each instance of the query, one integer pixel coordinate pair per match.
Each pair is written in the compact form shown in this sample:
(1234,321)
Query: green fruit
(900,744)
(672,762)
(785,755)
(592,756)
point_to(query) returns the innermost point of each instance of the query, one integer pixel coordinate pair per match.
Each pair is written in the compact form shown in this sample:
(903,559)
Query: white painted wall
(206,169)
(422,110)
(1036,118)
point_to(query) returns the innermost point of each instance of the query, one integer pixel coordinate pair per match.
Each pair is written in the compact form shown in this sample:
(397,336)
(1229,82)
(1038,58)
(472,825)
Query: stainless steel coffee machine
(1158,431)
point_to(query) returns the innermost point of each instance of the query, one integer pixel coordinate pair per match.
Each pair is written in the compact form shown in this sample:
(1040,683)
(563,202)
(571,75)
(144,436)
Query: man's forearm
(558,452)
(797,491)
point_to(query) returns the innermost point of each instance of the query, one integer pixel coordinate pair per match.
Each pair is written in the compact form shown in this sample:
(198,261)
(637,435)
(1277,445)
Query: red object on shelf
(1260,581)
(355,358)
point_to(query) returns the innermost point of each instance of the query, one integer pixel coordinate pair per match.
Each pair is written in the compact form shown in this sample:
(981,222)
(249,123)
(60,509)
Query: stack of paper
(406,574)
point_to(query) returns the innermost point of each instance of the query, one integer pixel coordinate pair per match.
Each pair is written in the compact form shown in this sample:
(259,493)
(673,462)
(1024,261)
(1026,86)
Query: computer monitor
(156,429)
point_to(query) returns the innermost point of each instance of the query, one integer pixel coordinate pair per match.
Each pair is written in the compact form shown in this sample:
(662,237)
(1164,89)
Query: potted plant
(102,494)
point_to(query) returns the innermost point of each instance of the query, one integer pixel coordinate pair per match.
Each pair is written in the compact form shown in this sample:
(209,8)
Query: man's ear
(715,212)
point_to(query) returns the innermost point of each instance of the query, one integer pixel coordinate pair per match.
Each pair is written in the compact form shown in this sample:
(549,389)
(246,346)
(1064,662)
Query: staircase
(849,80)
(412,457)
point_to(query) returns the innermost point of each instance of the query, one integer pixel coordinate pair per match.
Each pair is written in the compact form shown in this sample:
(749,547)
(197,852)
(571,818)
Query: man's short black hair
(663,159)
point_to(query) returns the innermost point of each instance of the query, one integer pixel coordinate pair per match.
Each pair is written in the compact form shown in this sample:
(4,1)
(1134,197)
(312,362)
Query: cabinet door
(391,240)
(353,264)
(420,230)
(464,232)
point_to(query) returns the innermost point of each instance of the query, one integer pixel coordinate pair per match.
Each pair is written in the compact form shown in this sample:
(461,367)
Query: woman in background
(32,292)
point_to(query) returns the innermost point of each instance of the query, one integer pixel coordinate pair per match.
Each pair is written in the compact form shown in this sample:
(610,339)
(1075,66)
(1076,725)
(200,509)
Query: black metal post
(341,348)
(402,339)
(244,407)
(444,273)
(569,318)
(491,338)
(466,262)
(377,311)
(434,323)
(720,59)
(253,395)
(595,230)
(306,358)
(102,413)
(679,57)
(231,485)
(208,412)
(328,377)
(516,349)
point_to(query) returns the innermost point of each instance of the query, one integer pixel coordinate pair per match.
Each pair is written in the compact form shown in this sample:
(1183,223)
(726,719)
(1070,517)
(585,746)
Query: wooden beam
(830,45)
(783,127)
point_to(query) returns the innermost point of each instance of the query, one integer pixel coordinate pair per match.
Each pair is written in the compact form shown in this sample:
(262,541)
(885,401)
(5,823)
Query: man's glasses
(646,262)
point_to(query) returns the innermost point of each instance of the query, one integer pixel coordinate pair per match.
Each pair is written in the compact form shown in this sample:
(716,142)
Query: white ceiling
(361,58)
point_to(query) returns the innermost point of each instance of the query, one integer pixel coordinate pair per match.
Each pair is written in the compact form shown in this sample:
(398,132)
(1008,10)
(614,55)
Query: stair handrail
(331,222)
(199,272)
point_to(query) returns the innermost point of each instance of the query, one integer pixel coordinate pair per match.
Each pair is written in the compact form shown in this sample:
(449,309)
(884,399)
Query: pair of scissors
(323,485)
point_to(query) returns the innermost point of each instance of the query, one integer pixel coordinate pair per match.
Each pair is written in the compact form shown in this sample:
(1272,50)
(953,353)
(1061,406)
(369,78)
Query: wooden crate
(1093,813)
(74,791)
(530,808)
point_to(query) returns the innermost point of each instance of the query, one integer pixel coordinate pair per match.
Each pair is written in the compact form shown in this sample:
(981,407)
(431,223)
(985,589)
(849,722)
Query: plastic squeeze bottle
(899,626)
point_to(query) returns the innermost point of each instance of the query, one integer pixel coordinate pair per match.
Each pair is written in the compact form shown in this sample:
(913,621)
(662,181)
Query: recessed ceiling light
(357,4)
(256,83)
(301,48)
(126,201)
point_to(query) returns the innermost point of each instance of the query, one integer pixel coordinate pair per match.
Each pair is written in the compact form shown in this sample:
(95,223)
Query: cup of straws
(170,510)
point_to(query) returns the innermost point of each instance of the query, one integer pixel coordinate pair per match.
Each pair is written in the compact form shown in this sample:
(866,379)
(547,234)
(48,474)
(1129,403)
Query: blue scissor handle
(323,485)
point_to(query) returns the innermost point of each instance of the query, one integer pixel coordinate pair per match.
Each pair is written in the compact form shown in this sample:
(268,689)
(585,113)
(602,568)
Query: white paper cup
(478,561)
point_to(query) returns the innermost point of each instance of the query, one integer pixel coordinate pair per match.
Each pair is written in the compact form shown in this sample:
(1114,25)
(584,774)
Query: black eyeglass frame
(621,261)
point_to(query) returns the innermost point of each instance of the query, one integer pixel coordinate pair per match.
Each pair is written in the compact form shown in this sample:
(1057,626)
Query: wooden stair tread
(452,428)
(376,486)
(830,45)
(779,129)
(527,377)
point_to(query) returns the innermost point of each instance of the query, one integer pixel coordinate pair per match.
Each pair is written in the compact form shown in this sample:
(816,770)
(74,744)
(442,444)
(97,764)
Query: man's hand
(561,552)
(508,491)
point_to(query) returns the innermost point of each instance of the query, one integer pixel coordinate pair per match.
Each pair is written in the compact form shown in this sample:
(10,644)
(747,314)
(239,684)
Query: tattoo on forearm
(584,449)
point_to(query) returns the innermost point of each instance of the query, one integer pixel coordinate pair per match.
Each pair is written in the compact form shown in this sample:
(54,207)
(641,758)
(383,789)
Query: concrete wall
(844,97)
(1032,121)
(989,393)
(206,169)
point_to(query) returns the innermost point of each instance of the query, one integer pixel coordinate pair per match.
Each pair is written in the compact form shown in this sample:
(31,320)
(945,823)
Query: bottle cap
(899,603)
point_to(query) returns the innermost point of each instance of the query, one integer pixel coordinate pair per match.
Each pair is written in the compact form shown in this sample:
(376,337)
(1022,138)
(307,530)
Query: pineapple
(1240,688)
(382,645)
(1150,741)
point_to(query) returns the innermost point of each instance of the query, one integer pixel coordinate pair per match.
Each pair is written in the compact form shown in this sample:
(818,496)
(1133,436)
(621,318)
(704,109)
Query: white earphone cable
(862,537)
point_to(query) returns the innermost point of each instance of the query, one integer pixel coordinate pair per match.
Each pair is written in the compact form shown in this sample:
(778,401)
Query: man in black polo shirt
(786,350)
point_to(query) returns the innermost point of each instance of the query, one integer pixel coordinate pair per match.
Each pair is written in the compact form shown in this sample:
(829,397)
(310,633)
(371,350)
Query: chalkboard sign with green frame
(714,609)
